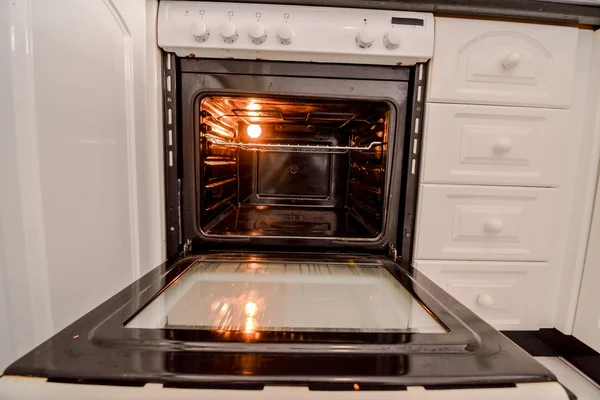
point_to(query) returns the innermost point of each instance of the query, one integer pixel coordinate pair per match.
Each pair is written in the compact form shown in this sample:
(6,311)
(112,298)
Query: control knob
(257,33)
(365,38)
(391,39)
(285,34)
(228,32)
(199,31)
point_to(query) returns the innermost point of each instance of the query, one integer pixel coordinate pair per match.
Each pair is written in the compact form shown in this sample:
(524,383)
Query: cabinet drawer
(495,145)
(486,223)
(495,62)
(506,295)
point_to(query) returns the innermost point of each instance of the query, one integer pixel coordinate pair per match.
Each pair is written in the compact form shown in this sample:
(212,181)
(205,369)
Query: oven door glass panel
(287,296)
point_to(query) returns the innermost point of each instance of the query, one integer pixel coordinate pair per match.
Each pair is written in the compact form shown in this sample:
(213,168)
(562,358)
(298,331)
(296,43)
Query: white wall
(81,209)
(587,319)
(583,179)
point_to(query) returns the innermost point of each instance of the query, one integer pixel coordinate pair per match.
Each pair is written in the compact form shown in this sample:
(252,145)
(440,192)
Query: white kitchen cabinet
(511,106)
(508,295)
(81,160)
(486,223)
(503,63)
(486,145)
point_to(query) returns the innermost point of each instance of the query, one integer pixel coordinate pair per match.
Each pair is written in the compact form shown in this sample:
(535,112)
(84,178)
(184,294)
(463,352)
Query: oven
(291,176)
(298,155)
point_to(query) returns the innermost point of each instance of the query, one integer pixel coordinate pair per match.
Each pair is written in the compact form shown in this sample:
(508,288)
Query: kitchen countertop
(584,12)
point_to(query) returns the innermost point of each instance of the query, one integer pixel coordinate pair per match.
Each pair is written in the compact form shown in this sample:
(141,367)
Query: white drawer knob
(511,60)
(485,300)
(503,146)
(494,225)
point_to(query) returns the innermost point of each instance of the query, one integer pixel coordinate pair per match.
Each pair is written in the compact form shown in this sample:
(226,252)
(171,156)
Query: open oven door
(250,321)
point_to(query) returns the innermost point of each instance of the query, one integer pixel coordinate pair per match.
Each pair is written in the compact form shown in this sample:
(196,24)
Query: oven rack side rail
(291,148)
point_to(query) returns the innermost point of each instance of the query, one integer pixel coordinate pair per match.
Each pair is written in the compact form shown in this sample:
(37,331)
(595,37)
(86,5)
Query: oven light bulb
(254,131)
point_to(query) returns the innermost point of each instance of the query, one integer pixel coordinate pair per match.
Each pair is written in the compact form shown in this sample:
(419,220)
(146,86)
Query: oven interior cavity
(292,167)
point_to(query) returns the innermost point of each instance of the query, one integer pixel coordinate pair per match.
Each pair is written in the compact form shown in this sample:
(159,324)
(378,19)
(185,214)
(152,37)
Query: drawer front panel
(486,223)
(506,295)
(495,145)
(505,63)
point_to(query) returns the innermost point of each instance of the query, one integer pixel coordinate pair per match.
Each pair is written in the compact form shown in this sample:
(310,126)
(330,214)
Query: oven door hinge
(187,247)
(393,253)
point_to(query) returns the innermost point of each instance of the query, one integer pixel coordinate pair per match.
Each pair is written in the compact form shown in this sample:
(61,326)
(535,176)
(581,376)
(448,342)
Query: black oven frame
(180,227)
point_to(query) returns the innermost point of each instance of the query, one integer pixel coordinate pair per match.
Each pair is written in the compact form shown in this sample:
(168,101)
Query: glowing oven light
(251,309)
(254,131)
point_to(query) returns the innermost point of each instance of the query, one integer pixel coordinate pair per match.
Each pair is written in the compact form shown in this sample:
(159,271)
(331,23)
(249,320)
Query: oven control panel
(294,33)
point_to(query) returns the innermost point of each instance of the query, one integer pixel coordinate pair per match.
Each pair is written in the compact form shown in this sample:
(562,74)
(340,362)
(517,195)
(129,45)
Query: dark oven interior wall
(294,179)
(366,181)
(219,179)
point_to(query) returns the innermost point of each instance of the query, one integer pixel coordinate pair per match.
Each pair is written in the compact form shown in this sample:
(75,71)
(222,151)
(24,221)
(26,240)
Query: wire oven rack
(292,148)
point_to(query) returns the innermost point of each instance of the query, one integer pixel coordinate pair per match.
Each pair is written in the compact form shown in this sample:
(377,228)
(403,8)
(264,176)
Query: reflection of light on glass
(250,324)
(247,364)
(251,308)
(254,131)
